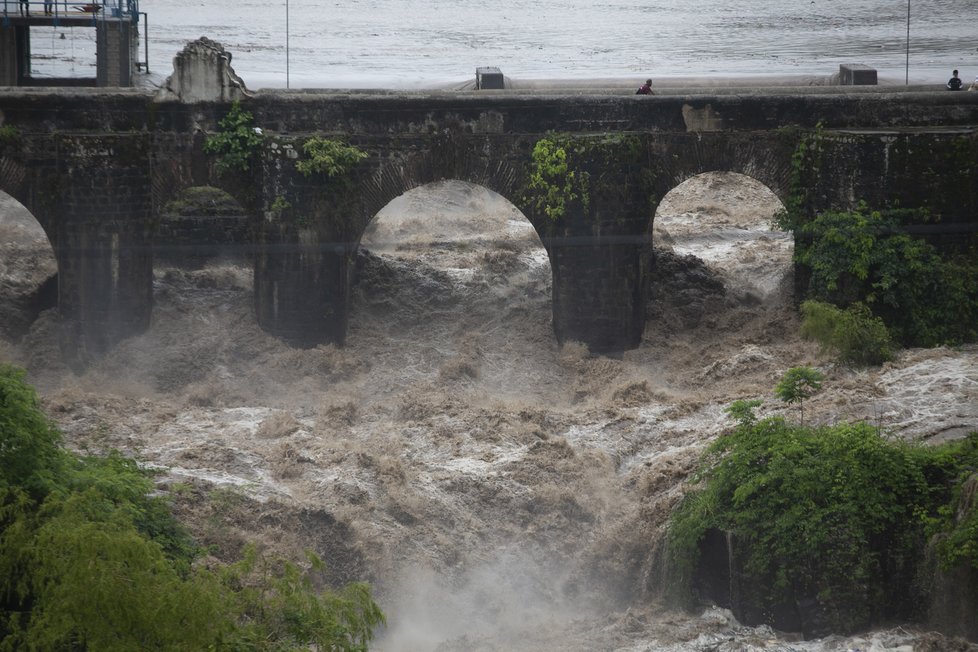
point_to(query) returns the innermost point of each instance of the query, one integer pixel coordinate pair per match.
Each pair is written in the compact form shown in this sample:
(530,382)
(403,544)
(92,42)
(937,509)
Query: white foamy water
(499,491)
(423,43)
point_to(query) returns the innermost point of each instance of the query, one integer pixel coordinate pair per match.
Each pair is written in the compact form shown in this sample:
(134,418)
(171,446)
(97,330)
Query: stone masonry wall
(96,167)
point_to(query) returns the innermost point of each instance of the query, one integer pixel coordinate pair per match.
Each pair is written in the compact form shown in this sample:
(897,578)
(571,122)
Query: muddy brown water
(499,491)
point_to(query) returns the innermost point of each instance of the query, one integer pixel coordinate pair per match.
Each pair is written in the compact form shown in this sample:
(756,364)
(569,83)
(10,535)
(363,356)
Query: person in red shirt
(646,88)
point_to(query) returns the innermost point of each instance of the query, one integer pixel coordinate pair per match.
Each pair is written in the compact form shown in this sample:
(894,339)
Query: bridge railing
(95,9)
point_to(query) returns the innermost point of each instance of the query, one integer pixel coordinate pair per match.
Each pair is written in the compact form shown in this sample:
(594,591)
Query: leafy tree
(797,384)
(866,256)
(837,514)
(277,602)
(90,559)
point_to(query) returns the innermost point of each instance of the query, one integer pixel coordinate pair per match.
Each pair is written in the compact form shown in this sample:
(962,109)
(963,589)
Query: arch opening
(201,252)
(28,271)
(457,276)
(725,221)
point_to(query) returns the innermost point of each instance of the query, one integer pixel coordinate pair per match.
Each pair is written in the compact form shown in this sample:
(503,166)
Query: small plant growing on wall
(237,141)
(328,157)
(8,134)
(280,205)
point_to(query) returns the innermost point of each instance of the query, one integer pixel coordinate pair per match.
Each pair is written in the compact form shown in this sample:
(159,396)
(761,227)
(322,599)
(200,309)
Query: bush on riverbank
(825,527)
(854,334)
(91,560)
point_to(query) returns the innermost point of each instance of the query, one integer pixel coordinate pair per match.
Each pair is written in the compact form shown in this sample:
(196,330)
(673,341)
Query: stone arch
(724,220)
(395,178)
(29,261)
(16,182)
(452,256)
(199,224)
(764,157)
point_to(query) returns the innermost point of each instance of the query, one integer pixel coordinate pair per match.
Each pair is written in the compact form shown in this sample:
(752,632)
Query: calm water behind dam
(424,43)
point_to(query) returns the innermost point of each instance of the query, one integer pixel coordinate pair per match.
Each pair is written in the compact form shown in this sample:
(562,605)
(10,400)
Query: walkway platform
(117,34)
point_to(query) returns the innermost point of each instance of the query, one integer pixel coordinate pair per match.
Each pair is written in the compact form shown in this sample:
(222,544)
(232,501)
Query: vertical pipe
(286,43)
(145,37)
(906,80)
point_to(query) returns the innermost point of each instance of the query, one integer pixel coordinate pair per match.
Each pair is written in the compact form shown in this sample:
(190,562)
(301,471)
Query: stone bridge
(96,167)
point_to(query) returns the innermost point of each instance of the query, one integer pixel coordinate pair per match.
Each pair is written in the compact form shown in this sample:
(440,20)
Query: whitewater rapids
(499,491)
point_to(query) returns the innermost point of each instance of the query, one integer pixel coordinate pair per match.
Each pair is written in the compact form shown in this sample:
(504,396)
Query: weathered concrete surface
(96,169)
(202,72)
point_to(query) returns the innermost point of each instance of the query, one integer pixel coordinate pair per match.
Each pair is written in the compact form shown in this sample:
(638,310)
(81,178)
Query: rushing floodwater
(500,492)
(410,43)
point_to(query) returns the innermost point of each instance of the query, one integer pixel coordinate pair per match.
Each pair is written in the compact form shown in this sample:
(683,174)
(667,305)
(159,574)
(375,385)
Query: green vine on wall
(805,161)
(9,134)
(553,183)
(565,169)
(331,158)
(237,141)
(868,256)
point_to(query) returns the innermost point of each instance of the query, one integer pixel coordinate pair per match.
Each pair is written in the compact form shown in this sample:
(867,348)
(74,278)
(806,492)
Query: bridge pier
(600,291)
(302,291)
(304,262)
(105,287)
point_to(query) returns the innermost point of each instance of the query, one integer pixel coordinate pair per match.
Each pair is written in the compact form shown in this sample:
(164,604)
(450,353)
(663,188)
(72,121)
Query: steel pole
(906,80)
(287,43)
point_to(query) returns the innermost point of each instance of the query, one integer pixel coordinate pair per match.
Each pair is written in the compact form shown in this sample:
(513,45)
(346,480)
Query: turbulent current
(499,491)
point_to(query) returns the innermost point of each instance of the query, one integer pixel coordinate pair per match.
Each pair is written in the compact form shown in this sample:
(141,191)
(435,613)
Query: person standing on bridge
(645,89)
(954,83)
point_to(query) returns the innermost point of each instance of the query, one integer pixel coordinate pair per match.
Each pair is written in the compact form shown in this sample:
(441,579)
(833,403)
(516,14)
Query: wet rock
(685,286)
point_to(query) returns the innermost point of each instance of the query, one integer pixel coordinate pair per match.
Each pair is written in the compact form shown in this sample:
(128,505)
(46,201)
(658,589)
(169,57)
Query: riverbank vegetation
(836,517)
(92,559)
(866,262)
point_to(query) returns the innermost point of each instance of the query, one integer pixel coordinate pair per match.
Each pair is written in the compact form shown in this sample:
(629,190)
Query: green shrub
(854,335)
(330,158)
(956,522)
(237,141)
